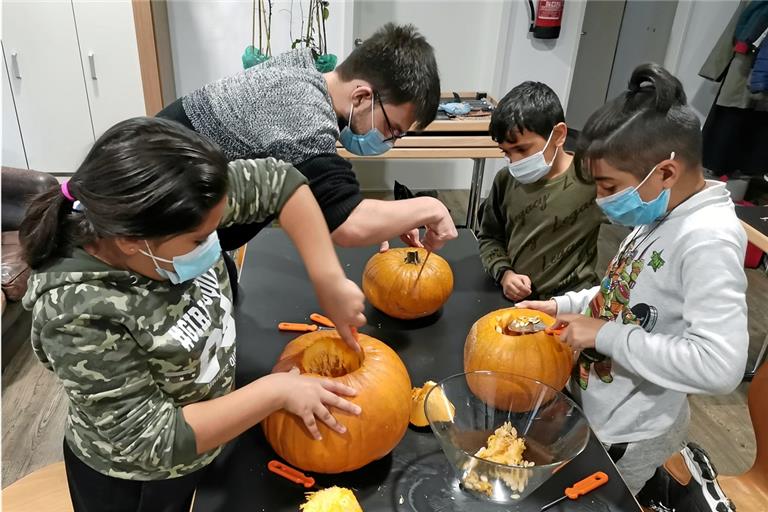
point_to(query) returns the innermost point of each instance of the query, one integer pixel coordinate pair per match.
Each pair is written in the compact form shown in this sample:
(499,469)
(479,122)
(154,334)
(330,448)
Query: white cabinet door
(111,61)
(13,147)
(40,45)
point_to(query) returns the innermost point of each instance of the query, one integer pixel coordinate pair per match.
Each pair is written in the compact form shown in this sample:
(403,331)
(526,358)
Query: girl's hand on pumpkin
(579,331)
(515,286)
(344,303)
(310,398)
(545,306)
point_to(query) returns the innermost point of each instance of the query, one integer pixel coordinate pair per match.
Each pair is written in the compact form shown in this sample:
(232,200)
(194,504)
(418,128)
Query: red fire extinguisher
(546,20)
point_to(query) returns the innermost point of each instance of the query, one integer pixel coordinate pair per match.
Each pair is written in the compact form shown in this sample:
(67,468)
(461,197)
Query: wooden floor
(34,409)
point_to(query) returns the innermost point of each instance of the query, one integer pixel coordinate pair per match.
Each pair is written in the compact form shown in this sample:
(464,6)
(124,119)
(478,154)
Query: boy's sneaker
(686,483)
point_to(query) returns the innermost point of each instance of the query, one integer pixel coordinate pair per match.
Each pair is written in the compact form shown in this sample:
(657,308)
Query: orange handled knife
(581,488)
(288,326)
(293,475)
(322,320)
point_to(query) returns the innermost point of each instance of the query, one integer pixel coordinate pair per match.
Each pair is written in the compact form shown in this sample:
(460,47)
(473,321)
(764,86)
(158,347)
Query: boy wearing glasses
(285,108)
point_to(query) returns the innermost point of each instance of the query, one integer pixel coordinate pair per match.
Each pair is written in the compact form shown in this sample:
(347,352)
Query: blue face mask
(371,143)
(191,265)
(627,208)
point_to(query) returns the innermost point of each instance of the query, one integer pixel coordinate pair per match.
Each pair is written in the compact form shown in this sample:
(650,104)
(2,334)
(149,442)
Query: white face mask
(532,168)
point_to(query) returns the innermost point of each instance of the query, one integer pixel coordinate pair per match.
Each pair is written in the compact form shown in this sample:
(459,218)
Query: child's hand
(411,239)
(343,302)
(579,331)
(440,232)
(545,306)
(310,397)
(515,286)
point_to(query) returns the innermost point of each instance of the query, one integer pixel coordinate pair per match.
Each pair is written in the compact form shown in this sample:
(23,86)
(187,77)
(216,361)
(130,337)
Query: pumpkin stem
(412,257)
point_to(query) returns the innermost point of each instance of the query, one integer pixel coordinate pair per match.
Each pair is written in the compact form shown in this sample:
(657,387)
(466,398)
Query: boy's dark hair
(400,65)
(531,106)
(144,178)
(642,126)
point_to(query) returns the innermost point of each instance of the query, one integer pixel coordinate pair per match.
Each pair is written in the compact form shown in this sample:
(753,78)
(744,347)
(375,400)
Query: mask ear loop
(155,259)
(671,157)
(549,139)
(373,104)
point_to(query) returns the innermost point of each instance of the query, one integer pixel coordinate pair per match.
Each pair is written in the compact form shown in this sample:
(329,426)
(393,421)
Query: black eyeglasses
(395,135)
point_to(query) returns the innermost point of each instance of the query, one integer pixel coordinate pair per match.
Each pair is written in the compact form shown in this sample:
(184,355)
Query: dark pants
(92,491)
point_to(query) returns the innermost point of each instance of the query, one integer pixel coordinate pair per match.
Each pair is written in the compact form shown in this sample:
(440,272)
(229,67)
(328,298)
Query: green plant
(253,55)
(315,35)
(318,13)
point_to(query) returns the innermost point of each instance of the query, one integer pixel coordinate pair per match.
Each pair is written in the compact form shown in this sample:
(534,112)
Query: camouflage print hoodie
(131,352)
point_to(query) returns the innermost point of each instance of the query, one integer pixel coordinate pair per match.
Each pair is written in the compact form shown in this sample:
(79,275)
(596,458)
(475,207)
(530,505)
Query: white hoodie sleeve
(575,302)
(711,354)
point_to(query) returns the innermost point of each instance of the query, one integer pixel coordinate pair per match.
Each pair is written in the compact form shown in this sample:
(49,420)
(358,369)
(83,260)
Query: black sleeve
(175,112)
(334,185)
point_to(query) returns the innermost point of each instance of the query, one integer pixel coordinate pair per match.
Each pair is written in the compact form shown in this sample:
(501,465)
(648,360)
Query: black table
(415,476)
(755,222)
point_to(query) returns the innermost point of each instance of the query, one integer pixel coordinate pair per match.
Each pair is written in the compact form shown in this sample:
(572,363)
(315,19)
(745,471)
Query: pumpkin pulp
(330,357)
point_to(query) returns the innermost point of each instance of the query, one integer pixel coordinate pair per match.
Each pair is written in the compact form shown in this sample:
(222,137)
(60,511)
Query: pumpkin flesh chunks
(440,408)
(333,499)
(330,357)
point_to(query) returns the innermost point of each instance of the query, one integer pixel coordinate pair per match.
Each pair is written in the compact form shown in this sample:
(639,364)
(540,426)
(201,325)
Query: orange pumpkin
(389,282)
(383,392)
(493,345)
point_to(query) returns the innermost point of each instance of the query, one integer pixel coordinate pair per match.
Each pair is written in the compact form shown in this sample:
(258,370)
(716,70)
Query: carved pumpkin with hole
(493,344)
(390,282)
(383,392)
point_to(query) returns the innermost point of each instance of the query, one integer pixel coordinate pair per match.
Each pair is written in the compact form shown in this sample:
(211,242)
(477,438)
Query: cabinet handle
(15,65)
(92,64)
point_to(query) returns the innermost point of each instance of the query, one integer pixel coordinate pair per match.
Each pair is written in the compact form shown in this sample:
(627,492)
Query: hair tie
(65,191)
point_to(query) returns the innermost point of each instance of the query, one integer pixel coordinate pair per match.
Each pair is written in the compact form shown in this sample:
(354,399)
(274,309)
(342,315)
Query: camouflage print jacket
(131,352)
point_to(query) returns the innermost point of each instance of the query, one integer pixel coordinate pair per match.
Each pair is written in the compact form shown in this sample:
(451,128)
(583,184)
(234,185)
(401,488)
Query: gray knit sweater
(282,109)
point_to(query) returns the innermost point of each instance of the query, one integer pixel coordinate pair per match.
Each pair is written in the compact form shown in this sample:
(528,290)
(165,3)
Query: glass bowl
(552,425)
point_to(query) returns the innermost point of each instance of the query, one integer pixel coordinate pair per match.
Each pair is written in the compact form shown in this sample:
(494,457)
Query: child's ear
(670,170)
(559,134)
(129,246)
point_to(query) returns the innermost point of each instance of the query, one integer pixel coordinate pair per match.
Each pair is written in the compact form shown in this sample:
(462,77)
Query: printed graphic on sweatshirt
(612,302)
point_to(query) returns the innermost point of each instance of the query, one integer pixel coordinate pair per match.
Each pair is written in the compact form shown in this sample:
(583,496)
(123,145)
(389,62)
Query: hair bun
(664,90)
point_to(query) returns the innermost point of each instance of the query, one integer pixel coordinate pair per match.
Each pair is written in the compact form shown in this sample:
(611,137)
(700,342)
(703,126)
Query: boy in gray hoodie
(669,317)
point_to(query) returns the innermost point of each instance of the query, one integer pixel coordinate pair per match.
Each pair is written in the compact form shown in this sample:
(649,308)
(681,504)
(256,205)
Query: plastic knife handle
(589,484)
(287,326)
(291,474)
(557,331)
(322,320)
